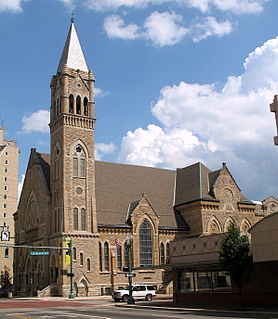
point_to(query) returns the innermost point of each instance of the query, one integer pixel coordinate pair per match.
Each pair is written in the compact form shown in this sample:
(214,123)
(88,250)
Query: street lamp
(69,252)
(130,299)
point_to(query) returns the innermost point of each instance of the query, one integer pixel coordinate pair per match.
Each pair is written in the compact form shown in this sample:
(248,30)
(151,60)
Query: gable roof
(118,185)
(196,182)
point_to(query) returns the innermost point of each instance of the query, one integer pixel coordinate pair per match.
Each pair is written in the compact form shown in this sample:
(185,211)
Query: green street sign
(39,253)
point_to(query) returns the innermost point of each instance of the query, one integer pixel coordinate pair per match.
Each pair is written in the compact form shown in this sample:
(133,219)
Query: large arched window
(79,162)
(162,254)
(83,219)
(106,256)
(71,103)
(75,218)
(145,234)
(78,105)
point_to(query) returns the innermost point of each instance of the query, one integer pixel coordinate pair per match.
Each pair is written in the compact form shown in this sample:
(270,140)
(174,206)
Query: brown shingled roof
(118,185)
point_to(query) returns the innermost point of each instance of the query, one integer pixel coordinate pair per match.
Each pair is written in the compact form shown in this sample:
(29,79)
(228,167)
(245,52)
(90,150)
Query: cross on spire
(274,108)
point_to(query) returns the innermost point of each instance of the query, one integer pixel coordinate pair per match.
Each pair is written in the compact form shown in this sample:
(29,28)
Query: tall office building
(8,197)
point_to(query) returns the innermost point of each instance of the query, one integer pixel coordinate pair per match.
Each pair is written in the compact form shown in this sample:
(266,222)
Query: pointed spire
(72,55)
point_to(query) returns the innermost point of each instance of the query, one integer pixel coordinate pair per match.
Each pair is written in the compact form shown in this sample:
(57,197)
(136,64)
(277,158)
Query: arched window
(74,253)
(167,253)
(106,256)
(126,257)
(145,235)
(71,103)
(162,254)
(57,163)
(85,106)
(119,258)
(88,264)
(75,218)
(81,259)
(79,162)
(78,105)
(83,219)
(100,256)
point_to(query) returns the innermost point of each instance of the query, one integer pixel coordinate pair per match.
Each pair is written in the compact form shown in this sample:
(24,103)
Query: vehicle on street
(145,292)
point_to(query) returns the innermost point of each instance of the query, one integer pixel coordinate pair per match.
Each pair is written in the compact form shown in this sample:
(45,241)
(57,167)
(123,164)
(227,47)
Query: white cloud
(234,6)
(164,29)
(210,26)
(14,6)
(100,93)
(116,28)
(69,4)
(204,123)
(103,149)
(36,122)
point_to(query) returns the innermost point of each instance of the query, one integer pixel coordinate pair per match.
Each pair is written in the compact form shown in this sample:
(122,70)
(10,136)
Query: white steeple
(72,55)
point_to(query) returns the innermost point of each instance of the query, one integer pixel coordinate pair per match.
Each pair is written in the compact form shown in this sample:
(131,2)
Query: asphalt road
(104,309)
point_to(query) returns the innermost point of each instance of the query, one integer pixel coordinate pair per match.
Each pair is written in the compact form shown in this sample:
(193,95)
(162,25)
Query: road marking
(19,316)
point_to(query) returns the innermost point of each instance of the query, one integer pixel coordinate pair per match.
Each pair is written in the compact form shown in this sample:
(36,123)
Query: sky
(177,81)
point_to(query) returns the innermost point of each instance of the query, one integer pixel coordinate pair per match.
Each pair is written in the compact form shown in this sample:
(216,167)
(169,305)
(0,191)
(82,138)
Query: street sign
(130,275)
(5,235)
(39,253)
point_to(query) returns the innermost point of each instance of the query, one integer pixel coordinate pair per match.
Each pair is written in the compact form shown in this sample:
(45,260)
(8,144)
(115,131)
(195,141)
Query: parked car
(146,292)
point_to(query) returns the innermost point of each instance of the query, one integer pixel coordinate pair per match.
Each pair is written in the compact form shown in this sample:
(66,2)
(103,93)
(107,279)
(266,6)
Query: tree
(234,255)
(5,278)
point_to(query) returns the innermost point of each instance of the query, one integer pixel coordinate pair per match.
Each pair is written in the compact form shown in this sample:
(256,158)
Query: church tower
(72,169)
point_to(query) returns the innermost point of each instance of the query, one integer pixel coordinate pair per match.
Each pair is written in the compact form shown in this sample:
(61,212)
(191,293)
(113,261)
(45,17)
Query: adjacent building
(9,154)
(69,197)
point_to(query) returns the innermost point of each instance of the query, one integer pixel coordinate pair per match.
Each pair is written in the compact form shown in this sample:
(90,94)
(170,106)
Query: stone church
(68,196)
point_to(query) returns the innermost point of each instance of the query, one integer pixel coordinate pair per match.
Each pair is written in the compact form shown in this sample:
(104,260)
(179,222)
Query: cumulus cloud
(102,149)
(202,122)
(210,26)
(14,6)
(36,122)
(100,93)
(164,29)
(115,28)
(234,6)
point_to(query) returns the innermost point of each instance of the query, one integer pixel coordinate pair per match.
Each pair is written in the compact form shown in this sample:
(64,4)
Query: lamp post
(70,251)
(130,299)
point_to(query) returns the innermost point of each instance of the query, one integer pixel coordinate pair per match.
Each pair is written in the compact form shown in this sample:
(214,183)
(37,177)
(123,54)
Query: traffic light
(68,252)
(6,252)
(125,269)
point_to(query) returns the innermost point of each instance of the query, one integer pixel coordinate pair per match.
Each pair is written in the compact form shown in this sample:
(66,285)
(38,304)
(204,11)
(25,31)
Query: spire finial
(72,17)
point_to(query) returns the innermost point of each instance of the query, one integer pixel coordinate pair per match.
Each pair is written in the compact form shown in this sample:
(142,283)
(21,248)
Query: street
(107,309)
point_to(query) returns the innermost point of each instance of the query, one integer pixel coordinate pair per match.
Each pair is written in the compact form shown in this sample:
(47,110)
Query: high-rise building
(8,196)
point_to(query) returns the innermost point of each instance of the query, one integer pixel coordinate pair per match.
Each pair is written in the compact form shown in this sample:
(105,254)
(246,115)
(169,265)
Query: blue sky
(178,81)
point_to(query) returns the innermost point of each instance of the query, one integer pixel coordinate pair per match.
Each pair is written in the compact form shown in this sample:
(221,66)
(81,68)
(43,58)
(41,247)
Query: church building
(70,198)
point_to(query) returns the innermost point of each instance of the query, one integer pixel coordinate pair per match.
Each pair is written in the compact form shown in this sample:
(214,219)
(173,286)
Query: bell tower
(72,172)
